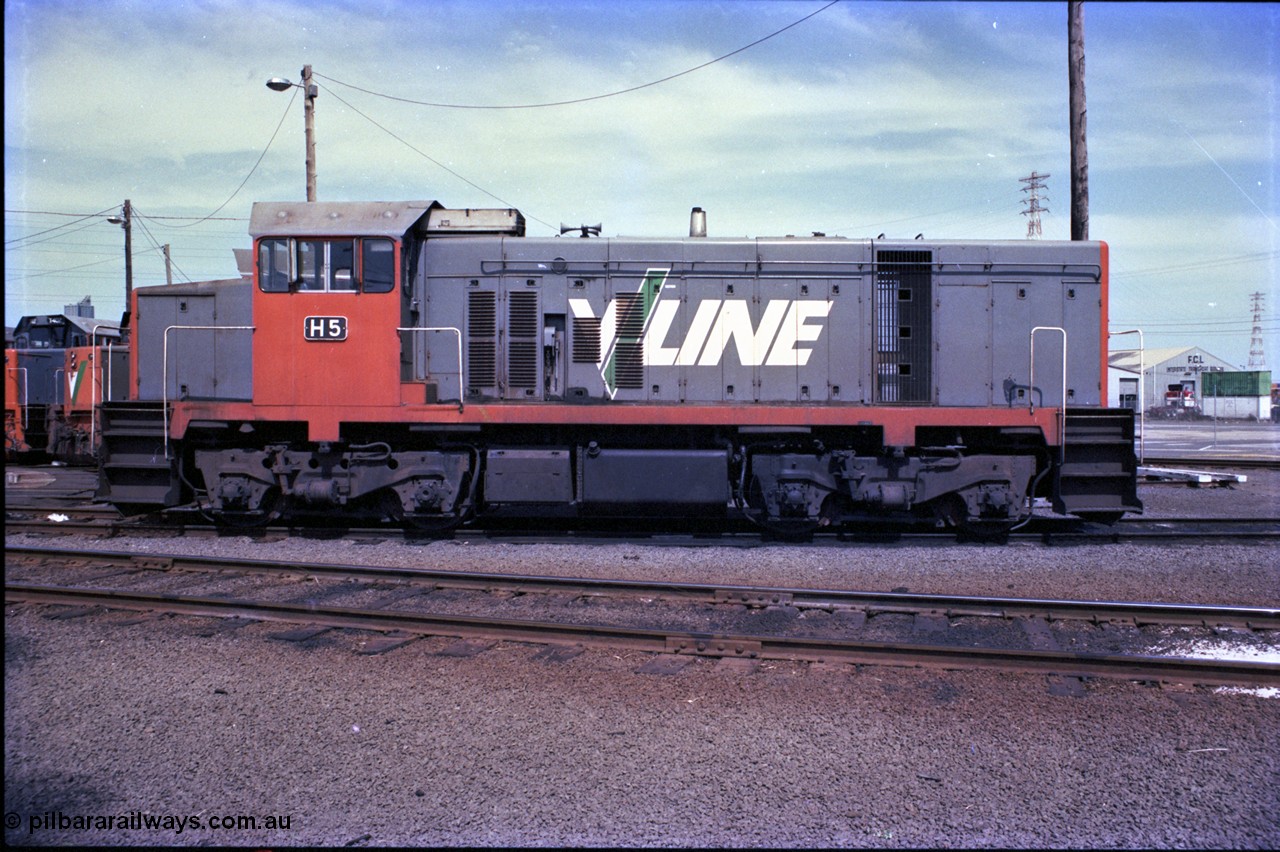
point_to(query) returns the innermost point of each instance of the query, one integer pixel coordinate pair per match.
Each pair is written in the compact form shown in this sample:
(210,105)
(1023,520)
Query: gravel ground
(184,717)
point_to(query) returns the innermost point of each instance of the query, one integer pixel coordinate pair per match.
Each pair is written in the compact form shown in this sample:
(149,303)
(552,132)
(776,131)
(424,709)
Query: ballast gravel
(168,727)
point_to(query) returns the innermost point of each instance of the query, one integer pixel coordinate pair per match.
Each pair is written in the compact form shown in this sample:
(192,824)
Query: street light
(126,221)
(309,91)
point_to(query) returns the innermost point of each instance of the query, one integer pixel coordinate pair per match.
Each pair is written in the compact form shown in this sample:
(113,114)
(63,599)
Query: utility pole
(168,266)
(1257,359)
(1034,184)
(309,93)
(1079,151)
(126,221)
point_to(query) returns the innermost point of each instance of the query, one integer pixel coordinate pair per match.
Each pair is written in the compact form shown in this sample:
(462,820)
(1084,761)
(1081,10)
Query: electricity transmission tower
(1257,360)
(1034,186)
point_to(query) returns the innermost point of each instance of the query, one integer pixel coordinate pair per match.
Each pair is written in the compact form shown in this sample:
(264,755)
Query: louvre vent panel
(482,330)
(586,340)
(522,315)
(482,313)
(522,345)
(482,363)
(522,364)
(630,314)
(629,364)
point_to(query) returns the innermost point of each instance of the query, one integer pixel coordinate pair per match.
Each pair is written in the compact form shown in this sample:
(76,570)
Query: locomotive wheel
(791,531)
(433,525)
(798,530)
(953,512)
(241,520)
(269,512)
(985,531)
(438,526)
(1104,518)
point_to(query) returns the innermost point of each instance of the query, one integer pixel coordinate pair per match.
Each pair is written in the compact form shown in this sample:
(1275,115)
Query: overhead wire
(252,170)
(590,98)
(473,184)
(425,155)
(59,227)
(53,237)
(146,232)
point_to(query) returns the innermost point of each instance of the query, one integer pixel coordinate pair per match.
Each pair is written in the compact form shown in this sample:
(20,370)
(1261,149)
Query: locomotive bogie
(327,480)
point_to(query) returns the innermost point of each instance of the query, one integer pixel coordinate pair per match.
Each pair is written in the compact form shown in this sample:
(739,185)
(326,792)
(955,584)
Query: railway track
(1201,463)
(1034,616)
(105,522)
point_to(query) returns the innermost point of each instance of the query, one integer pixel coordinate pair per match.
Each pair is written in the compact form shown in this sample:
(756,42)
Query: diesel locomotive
(58,371)
(430,365)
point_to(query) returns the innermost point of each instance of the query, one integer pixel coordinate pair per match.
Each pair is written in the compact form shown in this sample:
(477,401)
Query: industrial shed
(1161,368)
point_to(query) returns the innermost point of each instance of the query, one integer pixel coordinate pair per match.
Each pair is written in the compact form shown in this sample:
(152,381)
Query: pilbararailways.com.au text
(142,821)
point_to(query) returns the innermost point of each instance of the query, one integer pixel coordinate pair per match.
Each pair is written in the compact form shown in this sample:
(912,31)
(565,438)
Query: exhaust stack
(697,222)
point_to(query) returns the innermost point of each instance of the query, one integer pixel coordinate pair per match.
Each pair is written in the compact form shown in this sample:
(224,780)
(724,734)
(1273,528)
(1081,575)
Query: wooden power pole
(309,93)
(1079,150)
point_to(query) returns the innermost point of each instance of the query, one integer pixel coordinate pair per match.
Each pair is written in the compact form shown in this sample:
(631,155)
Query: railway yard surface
(184,721)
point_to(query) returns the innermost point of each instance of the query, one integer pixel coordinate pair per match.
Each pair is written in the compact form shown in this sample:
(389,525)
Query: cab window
(342,265)
(310,265)
(377,261)
(287,265)
(273,266)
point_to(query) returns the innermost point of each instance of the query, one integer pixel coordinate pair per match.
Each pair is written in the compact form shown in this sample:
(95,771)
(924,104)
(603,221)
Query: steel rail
(1178,669)
(109,512)
(870,602)
(1047,530)
(1213,462)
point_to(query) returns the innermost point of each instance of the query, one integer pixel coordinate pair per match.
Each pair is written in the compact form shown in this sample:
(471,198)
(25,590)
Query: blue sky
(890,117)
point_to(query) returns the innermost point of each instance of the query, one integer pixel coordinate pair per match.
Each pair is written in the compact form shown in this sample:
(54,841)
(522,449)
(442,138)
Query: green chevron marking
(650,291)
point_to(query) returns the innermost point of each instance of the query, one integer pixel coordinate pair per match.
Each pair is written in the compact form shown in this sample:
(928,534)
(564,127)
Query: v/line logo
(714,326)
(75,379)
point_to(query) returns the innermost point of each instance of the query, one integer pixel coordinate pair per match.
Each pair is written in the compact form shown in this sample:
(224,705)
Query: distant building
(82,308)
(1244,395)
(1164,371)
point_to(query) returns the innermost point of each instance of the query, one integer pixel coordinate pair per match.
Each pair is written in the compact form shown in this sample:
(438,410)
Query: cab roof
(337,218)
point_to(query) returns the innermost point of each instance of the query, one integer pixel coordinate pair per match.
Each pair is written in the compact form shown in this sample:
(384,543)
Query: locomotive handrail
(93,390)
(1031,381)
(1142,395)
(458,333)
(164,370)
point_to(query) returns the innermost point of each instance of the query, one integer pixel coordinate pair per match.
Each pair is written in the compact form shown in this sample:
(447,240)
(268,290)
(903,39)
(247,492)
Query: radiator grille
(586,340)
(628,364)
(522,364)
(522,340)
(904,326)
(522,315)
(628,356)
(482,359)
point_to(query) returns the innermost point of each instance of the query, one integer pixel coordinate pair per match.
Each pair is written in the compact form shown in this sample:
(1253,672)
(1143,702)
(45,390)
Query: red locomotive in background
(58,371)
